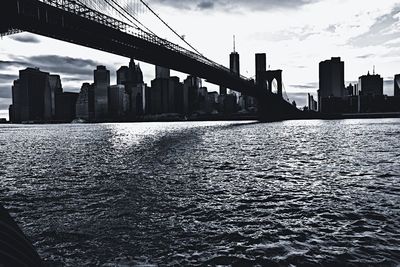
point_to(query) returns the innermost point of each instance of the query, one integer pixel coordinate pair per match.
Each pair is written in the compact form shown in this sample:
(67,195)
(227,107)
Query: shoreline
(311,116)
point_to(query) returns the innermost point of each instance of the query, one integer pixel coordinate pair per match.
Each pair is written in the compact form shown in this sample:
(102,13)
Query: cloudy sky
(295,34)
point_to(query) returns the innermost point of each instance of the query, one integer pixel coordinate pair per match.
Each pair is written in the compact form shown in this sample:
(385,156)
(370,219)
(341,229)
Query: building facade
(397,85)
(85,103)
(371,85)
(101,84)
(331,84)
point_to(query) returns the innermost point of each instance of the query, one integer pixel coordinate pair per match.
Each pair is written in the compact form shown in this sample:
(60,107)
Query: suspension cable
(130,15)
(169,27)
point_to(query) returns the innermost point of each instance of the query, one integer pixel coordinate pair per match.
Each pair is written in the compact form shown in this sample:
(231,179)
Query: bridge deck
(89,29)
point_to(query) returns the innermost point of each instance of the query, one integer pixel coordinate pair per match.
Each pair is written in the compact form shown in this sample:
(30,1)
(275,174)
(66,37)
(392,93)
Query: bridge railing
(78,8)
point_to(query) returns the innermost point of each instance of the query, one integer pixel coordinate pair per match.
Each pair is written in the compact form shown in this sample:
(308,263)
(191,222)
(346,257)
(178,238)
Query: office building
(66,106)
(31,96)
(132,78)
(331,78)
(159,95)
(191,87)
(118,101)
(312,104)
(101,84)
(331,85)
(122,75)
(163,93)
(234,65)
(177,95)
(162,73)
(222,90)
(52,91)
(85,103)
(137,100)
(397,85)
(352,90)
(371,85)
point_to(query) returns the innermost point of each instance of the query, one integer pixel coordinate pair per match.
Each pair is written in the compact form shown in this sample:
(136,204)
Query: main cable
(169,27)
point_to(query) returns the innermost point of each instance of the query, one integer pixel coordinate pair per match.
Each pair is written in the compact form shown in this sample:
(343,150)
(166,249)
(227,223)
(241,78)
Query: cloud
(233,4)
(5,91)
(366,56)
(300,98)
(25,38)
(64,65)
(205,5)
(5,103)
(384,29)
(7,77)
(74,70)
(54,64)
(332,28)
(304,88)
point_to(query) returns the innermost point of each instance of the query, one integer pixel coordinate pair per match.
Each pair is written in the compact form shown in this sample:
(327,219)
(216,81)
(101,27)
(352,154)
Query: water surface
(206,193)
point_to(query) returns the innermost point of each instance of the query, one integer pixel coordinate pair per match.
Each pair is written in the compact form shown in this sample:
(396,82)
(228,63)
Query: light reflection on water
(293,192)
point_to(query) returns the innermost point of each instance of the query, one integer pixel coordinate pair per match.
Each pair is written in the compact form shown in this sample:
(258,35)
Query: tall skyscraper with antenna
(234,62)
(234,65)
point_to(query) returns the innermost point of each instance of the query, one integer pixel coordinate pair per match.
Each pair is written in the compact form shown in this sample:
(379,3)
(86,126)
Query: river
(206,193)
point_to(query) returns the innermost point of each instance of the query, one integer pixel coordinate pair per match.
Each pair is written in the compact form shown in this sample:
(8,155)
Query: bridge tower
(264,77)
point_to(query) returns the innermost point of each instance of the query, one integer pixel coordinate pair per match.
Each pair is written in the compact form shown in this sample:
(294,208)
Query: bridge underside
(39,18)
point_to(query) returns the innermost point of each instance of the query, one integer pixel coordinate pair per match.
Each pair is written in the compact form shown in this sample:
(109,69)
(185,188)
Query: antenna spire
(374,69)
(234,43)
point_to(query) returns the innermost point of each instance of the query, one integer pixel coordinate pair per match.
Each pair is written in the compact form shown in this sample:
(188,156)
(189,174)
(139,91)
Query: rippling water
(207,193)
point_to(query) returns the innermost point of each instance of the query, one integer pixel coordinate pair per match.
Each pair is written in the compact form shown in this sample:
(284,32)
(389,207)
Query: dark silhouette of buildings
(352,90)
(101,84)
(85,103)
(331,78)
(28,94)
(223,90)
(38,97)
(365,97)
(371,85)
(397,85)
(312,104)
(191,87)
(65,107)
(331,85)
(234,65)
(118,102)
(132,79)
(160,91)
(167,94)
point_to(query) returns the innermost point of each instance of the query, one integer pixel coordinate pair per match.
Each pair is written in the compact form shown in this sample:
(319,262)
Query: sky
(295,34)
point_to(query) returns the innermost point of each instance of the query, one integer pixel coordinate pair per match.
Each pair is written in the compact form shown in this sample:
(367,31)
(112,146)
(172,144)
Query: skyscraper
(122,75)
(118,101)
(101,84)
(371,85)
(331,85)
(29,93)
(397,85)
(52,92)
(85,103)
(162,73)
(234,64)
(331,78)
(191,87)
(222,90)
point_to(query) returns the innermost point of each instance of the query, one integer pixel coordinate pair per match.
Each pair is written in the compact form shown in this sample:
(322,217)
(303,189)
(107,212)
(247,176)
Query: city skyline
(285,49)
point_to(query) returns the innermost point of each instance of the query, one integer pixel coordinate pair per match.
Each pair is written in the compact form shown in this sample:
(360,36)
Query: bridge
(82,23)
